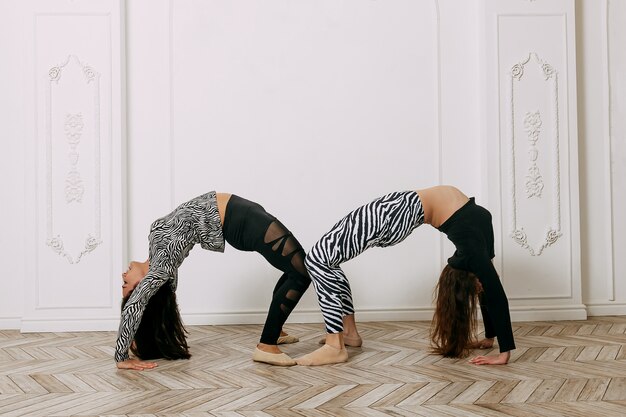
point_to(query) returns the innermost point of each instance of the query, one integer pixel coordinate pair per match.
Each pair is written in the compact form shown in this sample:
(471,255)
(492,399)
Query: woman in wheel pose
(150,324)
(388,220)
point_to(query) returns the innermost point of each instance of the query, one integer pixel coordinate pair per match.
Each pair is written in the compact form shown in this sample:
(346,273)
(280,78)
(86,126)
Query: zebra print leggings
(386,221)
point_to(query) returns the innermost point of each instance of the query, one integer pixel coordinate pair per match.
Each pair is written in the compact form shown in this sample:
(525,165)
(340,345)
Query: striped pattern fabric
(171,238)
(386,221)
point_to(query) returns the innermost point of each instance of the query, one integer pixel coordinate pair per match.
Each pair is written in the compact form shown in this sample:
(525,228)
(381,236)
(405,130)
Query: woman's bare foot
(350,334)
(268,348)
(481,344)
(500,359)
(347,340)
(285,339)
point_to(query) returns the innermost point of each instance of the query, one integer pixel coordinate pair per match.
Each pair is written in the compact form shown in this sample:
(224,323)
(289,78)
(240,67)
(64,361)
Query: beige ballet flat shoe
(326,355)
(348,341)
(287,339)
(279,359)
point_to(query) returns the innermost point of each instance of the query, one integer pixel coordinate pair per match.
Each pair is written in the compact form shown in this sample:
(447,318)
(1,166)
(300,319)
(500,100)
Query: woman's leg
(348,238)
(335,299)
(248,227)
(332,288)
(382,222)
(283,251)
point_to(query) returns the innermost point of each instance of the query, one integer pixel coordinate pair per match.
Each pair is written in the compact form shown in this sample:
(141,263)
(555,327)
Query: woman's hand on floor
(501,359)
(136,364)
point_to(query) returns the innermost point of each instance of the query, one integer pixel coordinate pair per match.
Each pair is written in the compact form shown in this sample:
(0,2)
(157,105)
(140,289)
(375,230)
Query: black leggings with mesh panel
(248,227)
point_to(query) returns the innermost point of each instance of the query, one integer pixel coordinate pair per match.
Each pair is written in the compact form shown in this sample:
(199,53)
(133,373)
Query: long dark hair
(454,322)
(161,333)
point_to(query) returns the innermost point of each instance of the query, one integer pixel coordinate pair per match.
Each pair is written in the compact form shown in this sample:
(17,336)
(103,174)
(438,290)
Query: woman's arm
(133,311)
(498,319)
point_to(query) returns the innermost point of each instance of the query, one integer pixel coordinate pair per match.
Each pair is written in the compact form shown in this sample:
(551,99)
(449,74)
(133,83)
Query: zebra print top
(171,238)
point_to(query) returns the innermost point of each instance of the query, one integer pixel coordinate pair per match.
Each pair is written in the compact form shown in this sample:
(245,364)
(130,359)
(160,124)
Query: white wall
(312,108)
(602,115)
(14,133)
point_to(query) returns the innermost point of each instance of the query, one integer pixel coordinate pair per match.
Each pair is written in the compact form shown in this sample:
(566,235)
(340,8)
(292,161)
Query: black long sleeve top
(471,231)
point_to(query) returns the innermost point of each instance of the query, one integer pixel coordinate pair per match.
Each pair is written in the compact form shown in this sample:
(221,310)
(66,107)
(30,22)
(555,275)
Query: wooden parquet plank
(570,390)
(277,399)
(323,397)
(247,402)
(622,353)
(531,355)
(6,401)
(616,391)
(550,354)
(589,353)
(226,398)
(8,386)
(608,353)
(594,389)
(522,391)
(198,399)
(104,401)
(497,392)
(415,410)
(372,396)
(398,395)
(451,410)
(577,409)
(27,384)
(473,392)
(448,393)
(546,391)
(348,396)
(483,411)
(51,384)
(424,394)
(41,406)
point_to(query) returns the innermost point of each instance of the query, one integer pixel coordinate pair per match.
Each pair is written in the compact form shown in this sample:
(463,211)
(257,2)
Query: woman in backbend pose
(387,221)
(150,324)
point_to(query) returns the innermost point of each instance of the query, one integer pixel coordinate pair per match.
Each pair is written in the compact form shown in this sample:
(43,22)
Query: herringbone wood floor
(559,369)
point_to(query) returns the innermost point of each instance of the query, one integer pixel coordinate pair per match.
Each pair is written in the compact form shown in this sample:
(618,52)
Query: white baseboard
(614,309)
(308,316)
(401,314)
(525,313)
(10,323)
(70,325)
(248,317)
(549,313)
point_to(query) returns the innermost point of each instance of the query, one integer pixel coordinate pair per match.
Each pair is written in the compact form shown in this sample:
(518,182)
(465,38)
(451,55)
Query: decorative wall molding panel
(532,152)
(75,220)
(73,127)
(534,180)
(534,185)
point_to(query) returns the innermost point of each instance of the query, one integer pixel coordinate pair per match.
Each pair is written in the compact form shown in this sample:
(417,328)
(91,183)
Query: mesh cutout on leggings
(291,298)
(281,240)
